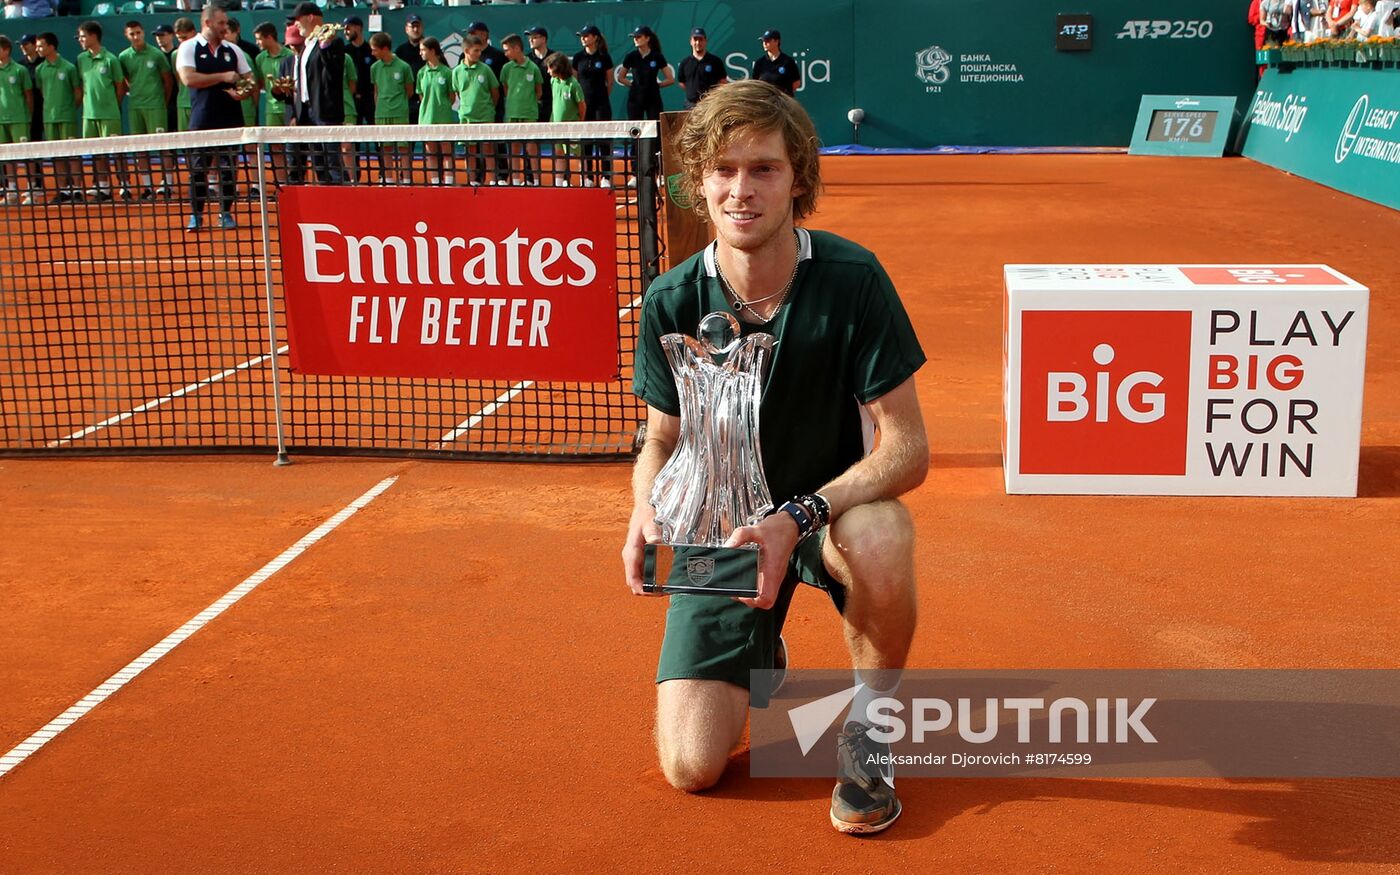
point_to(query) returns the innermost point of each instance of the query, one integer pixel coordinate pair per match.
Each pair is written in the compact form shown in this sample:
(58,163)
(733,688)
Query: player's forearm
(650,461)
(898,465)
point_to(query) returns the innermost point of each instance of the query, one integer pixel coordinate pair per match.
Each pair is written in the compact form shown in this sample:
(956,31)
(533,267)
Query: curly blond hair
(743,107)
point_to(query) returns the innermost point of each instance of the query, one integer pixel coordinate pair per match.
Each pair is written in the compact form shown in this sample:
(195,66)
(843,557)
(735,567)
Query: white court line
(31,745)
(504,398)
(164,399)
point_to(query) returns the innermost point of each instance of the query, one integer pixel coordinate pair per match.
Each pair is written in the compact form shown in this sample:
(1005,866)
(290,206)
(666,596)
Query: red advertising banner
(467,283)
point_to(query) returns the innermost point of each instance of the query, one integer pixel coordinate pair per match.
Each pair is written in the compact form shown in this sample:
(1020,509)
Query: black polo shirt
(645,73)
(592,71)
(363,58)
(495,60)
(699,75)
(782,72)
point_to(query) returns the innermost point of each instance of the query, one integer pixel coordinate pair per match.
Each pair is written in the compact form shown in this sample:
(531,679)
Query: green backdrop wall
(990,74)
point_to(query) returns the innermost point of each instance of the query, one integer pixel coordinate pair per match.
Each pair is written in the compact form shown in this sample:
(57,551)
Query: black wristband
(805,523)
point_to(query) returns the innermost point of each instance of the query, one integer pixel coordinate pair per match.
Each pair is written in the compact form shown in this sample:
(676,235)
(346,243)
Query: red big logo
(1104,392)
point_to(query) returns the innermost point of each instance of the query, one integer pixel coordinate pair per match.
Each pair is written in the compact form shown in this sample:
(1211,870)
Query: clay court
(456,678)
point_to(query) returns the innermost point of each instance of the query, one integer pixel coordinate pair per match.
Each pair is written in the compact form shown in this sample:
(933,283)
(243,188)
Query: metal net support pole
(282,457)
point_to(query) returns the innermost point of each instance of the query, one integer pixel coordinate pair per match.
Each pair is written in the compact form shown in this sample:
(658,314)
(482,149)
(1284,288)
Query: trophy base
(693,569)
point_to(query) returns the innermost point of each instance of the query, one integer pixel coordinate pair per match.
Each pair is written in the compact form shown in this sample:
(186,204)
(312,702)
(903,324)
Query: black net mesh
(121,331)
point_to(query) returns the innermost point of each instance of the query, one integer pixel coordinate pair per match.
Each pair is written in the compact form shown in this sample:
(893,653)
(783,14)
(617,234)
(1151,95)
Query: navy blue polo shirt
(212,108)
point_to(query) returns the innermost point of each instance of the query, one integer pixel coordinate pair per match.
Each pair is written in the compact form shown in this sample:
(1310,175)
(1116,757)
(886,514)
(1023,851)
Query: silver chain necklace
(740,305)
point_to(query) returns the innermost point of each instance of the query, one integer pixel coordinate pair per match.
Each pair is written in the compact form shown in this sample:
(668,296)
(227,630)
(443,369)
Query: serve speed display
(1182,126)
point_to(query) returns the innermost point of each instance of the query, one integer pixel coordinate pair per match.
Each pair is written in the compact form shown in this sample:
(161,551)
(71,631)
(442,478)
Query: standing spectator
(31,59)
(521,82)
(775,67)
(1366,22)
(210,68)
(393,88)
(594,68)
(478,93)
(351,98)
(357,47)
(495,59)
(56,79)
(1274,19)
(267,67)
(250,51)
(149,86)
(184,32)
(410,54)
(104,86)
(165,41)
(645,72)
(435,95)
(284,89)
(700,71)
(1339,16)
(40,8)
(539,52)
(318,95)
(568,105)
(16,110)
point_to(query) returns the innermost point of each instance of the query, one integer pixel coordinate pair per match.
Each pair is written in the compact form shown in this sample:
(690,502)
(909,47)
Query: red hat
(294,37)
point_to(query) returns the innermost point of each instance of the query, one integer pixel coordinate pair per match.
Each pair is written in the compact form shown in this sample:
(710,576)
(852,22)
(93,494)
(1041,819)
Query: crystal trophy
(714,482)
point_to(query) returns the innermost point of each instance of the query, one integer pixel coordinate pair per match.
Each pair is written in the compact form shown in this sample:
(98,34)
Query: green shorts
(392,120)
(516,120)
(716,638)
(60,130)
(101,127)
(146,121)
(182,115)
(15,132)
(278,120)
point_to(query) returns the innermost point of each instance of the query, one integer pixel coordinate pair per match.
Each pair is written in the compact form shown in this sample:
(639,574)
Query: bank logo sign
(934,67)
(931,65)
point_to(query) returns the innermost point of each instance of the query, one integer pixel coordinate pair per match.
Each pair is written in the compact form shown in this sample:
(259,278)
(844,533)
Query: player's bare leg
(870,549)
(698,724)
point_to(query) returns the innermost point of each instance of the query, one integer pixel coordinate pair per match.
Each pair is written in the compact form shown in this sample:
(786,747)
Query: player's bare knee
(874,536)
(691,771)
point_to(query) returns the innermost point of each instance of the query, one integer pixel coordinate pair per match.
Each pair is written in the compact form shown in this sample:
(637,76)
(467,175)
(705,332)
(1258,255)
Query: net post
(645,149)
(282,457)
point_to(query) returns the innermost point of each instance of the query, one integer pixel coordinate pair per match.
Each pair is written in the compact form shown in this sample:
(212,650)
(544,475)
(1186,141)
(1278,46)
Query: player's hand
(229,76)
(641,530)
(776,537)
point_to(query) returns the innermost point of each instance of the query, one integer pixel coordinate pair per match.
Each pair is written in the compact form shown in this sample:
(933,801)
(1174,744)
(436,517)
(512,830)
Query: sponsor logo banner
(1243,723)
(1191,379)
(1337,127)
(493,284)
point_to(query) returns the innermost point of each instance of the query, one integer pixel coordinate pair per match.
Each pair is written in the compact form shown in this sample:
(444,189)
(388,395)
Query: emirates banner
(465,283)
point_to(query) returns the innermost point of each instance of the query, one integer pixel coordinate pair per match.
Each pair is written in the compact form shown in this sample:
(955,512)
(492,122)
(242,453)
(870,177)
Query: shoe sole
(847,828)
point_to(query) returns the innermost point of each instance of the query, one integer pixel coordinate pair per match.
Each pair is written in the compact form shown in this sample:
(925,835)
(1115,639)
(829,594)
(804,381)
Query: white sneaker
(631,182)
(605,183)
(28,200)
(563,183)
(12,198)
(588,183)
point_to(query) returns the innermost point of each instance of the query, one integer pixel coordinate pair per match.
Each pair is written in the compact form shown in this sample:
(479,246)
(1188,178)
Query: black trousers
(204,162)
(597,154)
(325,157)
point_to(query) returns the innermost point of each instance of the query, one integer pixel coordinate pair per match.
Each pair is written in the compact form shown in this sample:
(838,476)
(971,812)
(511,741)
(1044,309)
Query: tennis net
(123,332)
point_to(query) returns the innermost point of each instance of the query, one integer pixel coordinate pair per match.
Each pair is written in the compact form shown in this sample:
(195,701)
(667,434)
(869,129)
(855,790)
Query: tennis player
(844,372)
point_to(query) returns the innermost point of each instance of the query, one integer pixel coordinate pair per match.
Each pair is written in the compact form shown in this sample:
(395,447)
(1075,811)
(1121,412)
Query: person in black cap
(594,68)
(411,55)
(776,68)
(539,50)
(701,70)
(31,59)
(318,89)
(645,71)
(357,47)
(495,61)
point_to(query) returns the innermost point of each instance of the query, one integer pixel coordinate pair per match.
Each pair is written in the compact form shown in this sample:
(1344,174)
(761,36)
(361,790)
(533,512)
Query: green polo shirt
(145,77)
(435,91)
(567,94)
(348,86)
(182,96)
(265,68)
(390,99)
(843,340)
(14,81)
(519,81)
(473,83)
(100,74)
(56,80)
